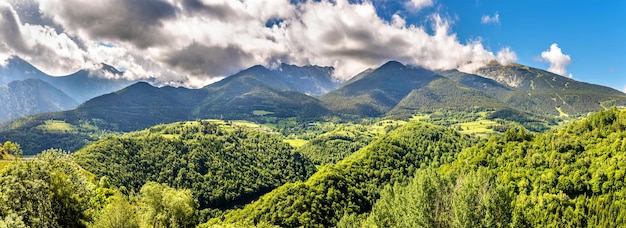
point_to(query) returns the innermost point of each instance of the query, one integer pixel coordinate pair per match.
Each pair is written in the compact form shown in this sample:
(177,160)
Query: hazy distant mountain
(81,86)
(310,80)
(31,96)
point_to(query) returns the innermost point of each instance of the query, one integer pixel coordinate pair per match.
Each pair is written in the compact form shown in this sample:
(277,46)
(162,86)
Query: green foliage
(354,184)
(10,149)
(162,206)
(12,221)
(434,200)
(334,146)
(223,165)
(568,177)
(49,191)
(118,213)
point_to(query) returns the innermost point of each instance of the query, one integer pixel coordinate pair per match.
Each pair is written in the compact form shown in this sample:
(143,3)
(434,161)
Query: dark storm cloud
(10,27)
(135,21)
(218,11)
(199,59)
(29,13)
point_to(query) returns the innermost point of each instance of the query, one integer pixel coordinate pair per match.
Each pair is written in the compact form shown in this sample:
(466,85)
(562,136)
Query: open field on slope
(57,126)
(480,128)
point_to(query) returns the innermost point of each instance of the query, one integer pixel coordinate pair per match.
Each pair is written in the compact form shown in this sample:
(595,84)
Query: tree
(119,213)
(163,206)
(49,191)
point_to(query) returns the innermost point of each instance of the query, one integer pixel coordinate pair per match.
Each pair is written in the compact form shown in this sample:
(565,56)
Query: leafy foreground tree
(431,199)
(162,206)
(49,191)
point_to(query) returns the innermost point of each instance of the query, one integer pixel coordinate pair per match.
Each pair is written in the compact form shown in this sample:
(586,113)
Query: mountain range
(307,93)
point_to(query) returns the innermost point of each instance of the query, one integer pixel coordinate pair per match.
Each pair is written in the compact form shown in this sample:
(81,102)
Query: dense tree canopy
(222,165)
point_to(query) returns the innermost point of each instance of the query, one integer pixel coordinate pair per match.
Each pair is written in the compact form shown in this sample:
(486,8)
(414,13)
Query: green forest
(381,173)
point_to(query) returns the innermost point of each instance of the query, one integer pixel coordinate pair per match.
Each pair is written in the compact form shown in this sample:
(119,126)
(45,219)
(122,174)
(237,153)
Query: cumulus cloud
(506,56)
(624,89)
(194,42)
(417,5)
(488,19)
(558,61)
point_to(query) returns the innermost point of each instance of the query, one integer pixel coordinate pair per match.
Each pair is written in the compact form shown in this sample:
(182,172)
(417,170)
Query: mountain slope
(378,91)
(31,96)
(142,105)
(545,93)
(81,86)
(486,85)
(445,94)
(310,80)
(256,90)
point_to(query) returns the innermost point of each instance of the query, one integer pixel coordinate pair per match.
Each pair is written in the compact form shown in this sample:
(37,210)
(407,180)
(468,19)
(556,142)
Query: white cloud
(558,61)
(417,5)
(39,44)
(487,19)
(194,42)
(624,89)
(506,56)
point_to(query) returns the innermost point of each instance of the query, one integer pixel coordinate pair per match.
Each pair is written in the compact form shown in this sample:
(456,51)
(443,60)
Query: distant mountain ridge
(81,86)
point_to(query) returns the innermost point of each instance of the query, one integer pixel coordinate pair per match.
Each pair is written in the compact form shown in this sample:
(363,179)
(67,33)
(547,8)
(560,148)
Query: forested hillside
(332,147)
(354,184)
(571,177)
(223,165)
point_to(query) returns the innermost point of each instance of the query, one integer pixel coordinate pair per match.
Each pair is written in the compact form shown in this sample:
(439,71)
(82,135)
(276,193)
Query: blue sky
(592,33)
(193,43)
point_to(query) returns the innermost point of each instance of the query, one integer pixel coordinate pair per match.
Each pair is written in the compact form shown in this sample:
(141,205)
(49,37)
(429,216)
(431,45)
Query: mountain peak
(392,65)
(110,69)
